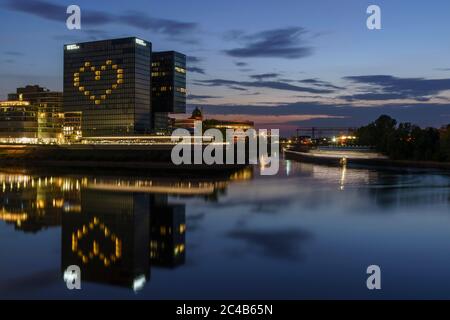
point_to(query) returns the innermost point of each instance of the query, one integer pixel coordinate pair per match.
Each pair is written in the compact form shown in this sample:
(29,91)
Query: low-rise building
(18,122)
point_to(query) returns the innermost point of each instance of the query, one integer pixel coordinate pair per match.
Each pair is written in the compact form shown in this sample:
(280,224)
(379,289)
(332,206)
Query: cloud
(192,64)
(193,59)
(262,119)
(238,88)
(240,64)
(387,87)
(320,83)
(305,114)
(279,244)
(262,84)
(201,97)
(284,43)
(56,12)
(263,76)
(196,70)
(251,94)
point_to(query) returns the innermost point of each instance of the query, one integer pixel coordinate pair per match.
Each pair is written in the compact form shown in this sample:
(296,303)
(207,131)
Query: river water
(309,232)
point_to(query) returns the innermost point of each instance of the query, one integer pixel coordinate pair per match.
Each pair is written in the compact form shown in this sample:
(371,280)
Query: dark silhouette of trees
(406,141)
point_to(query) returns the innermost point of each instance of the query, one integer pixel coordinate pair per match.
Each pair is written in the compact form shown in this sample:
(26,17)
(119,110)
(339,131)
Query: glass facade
(72,126)
(48,106)
(18,122)
(109,83)
(168,85)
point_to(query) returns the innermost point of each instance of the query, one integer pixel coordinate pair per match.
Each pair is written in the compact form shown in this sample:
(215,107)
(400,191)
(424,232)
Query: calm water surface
(309,232)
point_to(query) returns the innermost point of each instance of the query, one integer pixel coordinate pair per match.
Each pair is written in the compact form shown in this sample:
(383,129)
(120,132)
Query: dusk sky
(282,64)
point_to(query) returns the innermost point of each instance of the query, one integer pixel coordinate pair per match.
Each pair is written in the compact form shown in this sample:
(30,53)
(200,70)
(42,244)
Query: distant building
(18,122)
(189,123)
(197,115)
(49,108)
(233,125)
(168,86)
(109,82)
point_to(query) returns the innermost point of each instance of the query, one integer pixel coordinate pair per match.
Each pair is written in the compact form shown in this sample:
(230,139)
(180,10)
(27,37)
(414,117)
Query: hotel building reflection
(167,230)
(110,239)
(115,229)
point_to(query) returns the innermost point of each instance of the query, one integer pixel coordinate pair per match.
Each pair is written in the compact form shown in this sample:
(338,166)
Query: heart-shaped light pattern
(98,72)
(95,251)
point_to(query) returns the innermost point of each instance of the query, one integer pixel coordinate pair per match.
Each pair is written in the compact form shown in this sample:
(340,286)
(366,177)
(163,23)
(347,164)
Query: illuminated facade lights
(118,99)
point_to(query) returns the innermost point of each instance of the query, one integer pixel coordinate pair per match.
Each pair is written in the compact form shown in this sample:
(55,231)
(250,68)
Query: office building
(18,122)
(109,82)
(48,105)
(168,86)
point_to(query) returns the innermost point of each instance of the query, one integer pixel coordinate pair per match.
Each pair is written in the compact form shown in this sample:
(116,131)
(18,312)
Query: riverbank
(367,159)
(142,158)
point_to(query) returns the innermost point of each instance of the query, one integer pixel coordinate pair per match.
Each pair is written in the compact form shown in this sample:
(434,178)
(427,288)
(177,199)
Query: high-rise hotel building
(109,82)
(168,86)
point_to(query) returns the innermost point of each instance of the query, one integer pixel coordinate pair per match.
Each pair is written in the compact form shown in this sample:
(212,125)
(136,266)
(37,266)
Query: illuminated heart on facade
(95,248)
(98,72)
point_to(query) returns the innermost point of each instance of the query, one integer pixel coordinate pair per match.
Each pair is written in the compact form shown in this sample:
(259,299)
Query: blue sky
(280,63)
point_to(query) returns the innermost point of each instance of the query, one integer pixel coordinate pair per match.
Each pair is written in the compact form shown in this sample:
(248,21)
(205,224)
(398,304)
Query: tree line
(406,141)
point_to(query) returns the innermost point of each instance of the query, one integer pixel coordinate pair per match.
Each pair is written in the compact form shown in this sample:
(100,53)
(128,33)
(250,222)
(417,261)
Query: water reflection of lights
(96,252)
(13,217)
(138,283)
(288,167)
(19,181)
(343,173)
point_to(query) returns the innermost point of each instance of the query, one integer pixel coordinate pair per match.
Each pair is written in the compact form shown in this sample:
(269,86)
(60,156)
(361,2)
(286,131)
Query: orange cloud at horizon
(270,119)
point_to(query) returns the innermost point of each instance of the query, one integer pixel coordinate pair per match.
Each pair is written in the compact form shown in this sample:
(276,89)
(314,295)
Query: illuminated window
(82,69)
(76,74)
(76,79)
(108,62)
(114,86)
(97,77)
(119,70)
(92,97)
(81,88)
(86,93)
(119,81)
(103,67)
(103,96)
(87,64)
(97,73)
(120,76)
(92,68)
(114,66)
(108,91)
(76,84)
(97,101)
